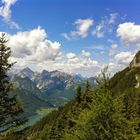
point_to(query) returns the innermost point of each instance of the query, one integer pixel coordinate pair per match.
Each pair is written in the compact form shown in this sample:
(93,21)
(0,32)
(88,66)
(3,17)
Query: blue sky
(77,36)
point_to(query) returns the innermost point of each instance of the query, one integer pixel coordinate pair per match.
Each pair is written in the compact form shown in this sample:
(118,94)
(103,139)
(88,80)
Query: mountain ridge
(78,120)
(110,111)
(53,88)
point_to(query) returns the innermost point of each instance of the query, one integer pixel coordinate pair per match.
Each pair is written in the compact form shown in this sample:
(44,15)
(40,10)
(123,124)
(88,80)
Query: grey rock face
(136,61)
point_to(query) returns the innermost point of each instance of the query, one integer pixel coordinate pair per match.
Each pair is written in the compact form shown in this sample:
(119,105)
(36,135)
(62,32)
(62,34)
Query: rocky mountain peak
(27,69)
(136,61)
(44,72)
(27,72)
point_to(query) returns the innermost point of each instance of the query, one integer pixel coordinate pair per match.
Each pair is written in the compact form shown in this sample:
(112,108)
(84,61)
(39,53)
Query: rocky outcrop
(138,83)
(136,61)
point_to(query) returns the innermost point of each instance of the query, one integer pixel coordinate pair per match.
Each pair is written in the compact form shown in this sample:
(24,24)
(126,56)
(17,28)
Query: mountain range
(45,89)
(109,112)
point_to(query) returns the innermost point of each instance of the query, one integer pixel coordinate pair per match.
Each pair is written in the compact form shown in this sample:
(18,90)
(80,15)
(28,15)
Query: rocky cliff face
(136,61)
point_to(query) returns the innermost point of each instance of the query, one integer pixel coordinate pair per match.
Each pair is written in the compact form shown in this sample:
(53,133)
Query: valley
(92,112)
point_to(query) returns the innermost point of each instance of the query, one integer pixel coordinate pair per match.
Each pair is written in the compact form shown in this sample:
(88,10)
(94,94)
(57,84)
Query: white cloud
(105,25)
(83,26)
(129,33)
(124,57)
(82,29)
(6,13)
(113,17)
(77,65)
(71,63)
(120,61)
(66,36)
(99,32)
(71,55)
(86,53)
(113,49)
(33,49)
(33,46)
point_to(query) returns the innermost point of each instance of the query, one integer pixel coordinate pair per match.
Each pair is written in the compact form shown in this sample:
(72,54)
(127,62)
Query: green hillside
(109,112)
(30,96)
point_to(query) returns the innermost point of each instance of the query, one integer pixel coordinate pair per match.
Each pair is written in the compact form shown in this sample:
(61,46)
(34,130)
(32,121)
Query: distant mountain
(31,97)
(23,82)
(52,80)
(27,72)
(110,112)
(53,88)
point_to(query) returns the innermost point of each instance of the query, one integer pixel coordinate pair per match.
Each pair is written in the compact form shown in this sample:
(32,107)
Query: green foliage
(109,112)
(45,111)
(10,108)
(79,94)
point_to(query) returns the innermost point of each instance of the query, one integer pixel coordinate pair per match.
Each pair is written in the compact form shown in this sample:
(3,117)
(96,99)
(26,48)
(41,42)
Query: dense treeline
(109,112)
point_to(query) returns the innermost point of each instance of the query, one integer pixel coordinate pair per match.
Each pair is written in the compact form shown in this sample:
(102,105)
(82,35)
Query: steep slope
(58,86)
(27,72)
(126,80)
(105,113)
(31,97)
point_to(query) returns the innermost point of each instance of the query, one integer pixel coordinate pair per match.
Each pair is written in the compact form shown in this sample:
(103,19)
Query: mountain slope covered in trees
(109,112)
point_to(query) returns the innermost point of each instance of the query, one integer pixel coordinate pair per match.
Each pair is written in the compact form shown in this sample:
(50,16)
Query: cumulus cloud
(129,33)
(104,25)
(120,61)
(86,53)
(83,26)
(71,63)
(71,55)
(124,57)
(33,45)
(33,49)
(99,30)
(82,29)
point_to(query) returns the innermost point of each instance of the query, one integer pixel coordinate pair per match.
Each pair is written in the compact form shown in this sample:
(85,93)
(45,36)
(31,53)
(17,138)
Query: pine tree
(110,120)
(10,108)
(88,96)
(87,86)
(79,93)
(102,79)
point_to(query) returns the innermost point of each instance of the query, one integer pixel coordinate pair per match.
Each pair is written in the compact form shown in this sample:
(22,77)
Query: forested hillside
(109,112)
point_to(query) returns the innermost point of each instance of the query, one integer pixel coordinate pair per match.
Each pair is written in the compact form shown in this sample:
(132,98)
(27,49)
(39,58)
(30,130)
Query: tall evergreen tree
(87,86)
(79,93)
(110,120)
(10,108)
